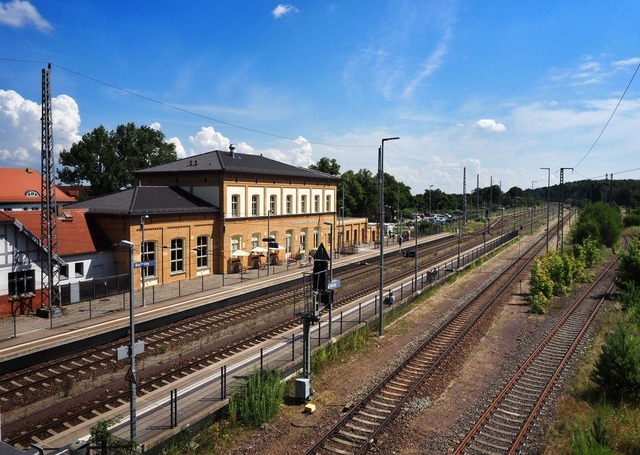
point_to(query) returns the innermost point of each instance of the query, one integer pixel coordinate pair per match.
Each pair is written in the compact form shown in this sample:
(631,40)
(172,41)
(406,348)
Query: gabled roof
(219,161)
(77,234)
(24,186)
(146,200)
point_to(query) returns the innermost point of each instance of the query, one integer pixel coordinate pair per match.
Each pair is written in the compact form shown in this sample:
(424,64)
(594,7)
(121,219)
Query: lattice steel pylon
(50,268)
(560,236)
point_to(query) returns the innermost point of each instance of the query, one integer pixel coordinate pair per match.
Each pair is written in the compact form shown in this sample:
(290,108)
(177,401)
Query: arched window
(202,251)
(149,256)
(235,205)
(303,204)
(177,255)
(289,205)
(255,205)
(273,204)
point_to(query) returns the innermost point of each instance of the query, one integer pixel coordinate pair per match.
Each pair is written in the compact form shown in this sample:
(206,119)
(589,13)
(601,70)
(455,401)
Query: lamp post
(269,242)
(415,272)
(330,272)
(548,196)
(381,197)
(430,186)
(132,346)
(143,253)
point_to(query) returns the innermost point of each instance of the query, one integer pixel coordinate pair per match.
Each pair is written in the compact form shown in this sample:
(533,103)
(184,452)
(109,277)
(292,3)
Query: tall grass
(259,399)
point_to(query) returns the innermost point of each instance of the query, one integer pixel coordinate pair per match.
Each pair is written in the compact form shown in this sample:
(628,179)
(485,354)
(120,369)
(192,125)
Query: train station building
(223,212)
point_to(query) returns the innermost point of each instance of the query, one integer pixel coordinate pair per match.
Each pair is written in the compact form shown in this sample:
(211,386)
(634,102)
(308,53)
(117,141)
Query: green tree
(600,222)
(629,266)
(617,369)
(326,165)
(106,160)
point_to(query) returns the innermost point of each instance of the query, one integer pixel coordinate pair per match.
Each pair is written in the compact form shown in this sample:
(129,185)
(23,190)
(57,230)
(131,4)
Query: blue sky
(499,87)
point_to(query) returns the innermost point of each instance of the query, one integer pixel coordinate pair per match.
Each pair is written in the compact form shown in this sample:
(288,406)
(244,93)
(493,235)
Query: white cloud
(283,10)
(20,125)
(20,13)
(491,125)
(628,62)
(208,139)
(155,126)
(433,64)
(180,151)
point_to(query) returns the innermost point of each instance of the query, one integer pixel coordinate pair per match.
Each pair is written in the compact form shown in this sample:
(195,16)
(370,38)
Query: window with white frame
(149,257)
(202,251)
(289,205)
(303,204)
(235,205)
(235,243)
(316,238)
(177,255)
(273,204)
(328,204)
(288,241)
(79,269)
(255,205)
(303,240)
(316,203)
(255,240)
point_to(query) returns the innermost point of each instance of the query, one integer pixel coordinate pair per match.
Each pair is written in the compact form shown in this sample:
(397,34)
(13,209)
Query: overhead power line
(186,111)
(610,117)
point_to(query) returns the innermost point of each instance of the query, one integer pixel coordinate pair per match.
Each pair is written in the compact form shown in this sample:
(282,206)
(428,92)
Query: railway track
(503,427)
(35,428)
(356,431)
(18,387)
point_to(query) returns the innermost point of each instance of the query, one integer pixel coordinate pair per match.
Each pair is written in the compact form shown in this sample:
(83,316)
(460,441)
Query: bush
(617,369)
(539,303)
(259,398)
(540,282)
(629,266)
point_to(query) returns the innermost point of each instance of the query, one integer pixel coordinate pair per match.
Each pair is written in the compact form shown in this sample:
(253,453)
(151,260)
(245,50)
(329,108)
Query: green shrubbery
(259,399)
(553,274)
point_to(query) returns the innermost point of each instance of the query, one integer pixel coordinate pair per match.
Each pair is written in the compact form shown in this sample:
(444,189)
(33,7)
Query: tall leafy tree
(327,165)
(106,160)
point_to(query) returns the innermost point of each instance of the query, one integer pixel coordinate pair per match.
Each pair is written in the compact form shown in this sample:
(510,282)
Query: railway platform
(29,335)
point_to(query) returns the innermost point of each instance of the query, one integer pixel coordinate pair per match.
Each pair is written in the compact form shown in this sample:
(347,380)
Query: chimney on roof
(232,149)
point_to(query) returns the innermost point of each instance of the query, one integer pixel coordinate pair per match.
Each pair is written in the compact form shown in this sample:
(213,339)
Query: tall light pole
(548,200)
(269,242)
(143,251)
(430,186)
(381,200)
(415,272)
(132,349)
(330,273)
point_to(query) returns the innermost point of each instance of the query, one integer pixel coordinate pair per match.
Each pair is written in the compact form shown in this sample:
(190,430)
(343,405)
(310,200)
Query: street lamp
(430,186)
(548,196)
(415,274)
(381,200)
(330,272)
(143,253)
(131,377)
(269,242)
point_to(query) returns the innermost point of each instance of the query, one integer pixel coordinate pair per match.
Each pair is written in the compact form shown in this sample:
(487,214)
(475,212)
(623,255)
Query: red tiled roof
(17,183)
(76,235)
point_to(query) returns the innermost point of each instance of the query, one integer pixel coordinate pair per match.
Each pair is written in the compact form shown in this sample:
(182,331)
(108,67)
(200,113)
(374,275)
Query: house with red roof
(21,190)
(84,254)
